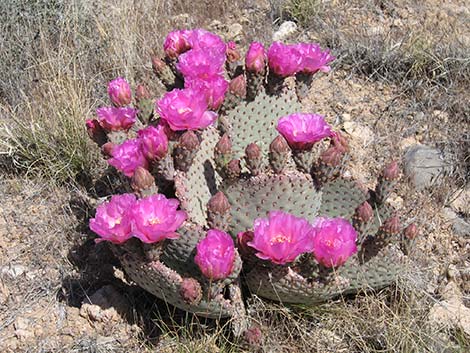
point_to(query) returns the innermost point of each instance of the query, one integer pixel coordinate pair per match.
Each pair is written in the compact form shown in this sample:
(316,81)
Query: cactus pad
(252,198)
(341,198)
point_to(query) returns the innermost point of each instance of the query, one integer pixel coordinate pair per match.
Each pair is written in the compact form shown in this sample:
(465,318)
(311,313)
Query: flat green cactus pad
(340,199)
(195,187)
(256,121)
(292,192)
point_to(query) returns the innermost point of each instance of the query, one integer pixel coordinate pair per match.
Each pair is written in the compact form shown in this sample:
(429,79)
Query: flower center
(154,221)
(279,238)
(184,110)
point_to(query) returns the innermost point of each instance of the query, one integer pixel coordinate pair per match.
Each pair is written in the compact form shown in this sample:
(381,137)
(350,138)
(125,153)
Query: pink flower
(255,60)
(185,109)
(201,63)
(313,58)
(154,142)
(113,221)
(214,88)
(281,237)
(285,60)
(202,39)
(302,130)
(176,43)
(334,242)
(128,156)
(215,255)
(119,92)
(156,218)
(115,119)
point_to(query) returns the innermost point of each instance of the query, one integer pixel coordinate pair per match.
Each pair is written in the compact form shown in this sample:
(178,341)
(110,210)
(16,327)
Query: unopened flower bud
(141,93)
(237,86)
(364,212)
(189,141)
(255,60)
(107,149)
(119,92)
(224,146)
(253,336)
(142,179)
(243,238)
(391,225)
(234,169)
(332,156)
(411,231)
(339,141)
(233,54)
(279,145)
(158,65)
(391,171)
(191,291)
(218,203)
(95,131)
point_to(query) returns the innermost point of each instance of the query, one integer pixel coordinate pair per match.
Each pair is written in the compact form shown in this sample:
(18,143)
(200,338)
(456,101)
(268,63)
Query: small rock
(235,32)
(22,326)
(359,131)
(423,166)
(104,305)
(286,29)
(460,226)
(13,270)
(4,293)
(461,202)
(346,117)
(451,312)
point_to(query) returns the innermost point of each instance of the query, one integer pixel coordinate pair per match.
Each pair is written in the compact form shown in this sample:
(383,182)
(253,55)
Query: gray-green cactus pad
(195,187)
(165,283)
(292,192)
(255,122)
(340,198)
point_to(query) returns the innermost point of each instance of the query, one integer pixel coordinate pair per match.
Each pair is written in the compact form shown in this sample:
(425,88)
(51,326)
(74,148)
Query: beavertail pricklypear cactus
(234,183)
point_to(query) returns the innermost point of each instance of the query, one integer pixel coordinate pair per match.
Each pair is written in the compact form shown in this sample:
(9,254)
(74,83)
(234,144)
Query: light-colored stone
(423,166)
(359,132)
(451,312)
(13,270)
(461,201)
(460,226)
(286,29)
(104,305)
(235,32)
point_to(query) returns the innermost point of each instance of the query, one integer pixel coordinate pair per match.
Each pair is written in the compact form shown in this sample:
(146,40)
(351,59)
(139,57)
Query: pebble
(423,166)
(286,29)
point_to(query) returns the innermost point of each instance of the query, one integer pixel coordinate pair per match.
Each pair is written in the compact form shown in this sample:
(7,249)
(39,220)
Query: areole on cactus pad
(229,154)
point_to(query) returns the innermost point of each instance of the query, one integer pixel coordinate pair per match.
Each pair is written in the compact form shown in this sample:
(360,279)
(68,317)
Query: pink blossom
(154,142)
(215,255)
(313,58)
(334,242)
(202,39)
(255,60)
(119,92)
(302,130)
(185,109)
(201,63)
(214,88)
(281,237)
(156,218)
(115,119)
(176,43)
(128,156)
(284,60)
(113,221)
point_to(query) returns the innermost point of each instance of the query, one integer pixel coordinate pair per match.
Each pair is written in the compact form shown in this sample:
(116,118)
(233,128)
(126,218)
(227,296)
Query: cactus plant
(229,164)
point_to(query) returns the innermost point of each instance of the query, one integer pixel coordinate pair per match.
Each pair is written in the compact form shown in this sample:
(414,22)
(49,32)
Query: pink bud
(141,93)
(281,237)
(158,65)
(411,231)
(339,141)
(238,86)
(335,241)
(189,141)
(191,291)
(332,156)
(243,238)
(302,130)
(391,171)
(234,168)
(142,179)
(233,54)
(224,146)
(218,203)
(107,149)
(279,145)
(156,218)
(253,152)
(392,225)
(255,60)
(364,212)
(119,92)
(215,255)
